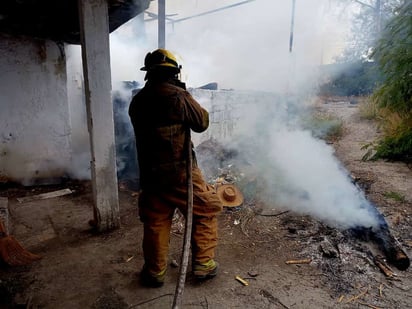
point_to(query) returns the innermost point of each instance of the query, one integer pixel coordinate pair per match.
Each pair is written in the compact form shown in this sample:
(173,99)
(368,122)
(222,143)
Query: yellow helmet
(160,58)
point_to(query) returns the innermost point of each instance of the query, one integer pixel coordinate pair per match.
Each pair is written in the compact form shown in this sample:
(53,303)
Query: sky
(243,47)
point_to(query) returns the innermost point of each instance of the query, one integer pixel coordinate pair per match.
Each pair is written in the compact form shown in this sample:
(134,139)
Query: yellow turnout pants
(156,211)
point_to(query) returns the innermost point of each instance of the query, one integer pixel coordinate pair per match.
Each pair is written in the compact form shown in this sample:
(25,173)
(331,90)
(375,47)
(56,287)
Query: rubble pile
(225,165)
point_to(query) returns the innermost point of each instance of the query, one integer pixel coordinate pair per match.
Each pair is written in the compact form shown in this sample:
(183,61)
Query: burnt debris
(223,162)
(383,238)
(126,154)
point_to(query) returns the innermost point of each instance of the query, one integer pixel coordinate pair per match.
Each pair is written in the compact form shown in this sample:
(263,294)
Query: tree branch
(364,4)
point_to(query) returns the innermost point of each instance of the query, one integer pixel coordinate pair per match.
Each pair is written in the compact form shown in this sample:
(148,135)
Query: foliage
(394,97)
(396,146)
(353,79)
(394,55)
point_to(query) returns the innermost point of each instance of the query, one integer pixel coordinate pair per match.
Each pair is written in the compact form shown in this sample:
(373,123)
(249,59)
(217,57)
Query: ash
(346,263)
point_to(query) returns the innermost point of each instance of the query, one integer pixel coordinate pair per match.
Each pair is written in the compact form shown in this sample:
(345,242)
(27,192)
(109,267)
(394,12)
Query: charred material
(213,157)
(126,154)
(391,247)
(386,242)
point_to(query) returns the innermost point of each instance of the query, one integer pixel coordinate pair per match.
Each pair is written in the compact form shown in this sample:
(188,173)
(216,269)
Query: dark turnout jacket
(162,114)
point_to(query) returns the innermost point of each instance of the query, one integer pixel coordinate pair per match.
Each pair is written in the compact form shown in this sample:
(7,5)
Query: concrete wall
(34,118)
(43,125)
(230,111)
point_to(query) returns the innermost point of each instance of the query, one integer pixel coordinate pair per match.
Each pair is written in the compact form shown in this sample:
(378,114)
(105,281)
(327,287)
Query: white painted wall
(229,111)
(34,117)
(80,139)
(43,124)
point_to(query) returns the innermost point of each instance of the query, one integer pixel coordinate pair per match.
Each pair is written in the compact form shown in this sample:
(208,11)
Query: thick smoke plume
(247,48)
(295,170)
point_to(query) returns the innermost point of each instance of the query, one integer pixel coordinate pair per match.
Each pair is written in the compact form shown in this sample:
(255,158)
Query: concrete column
(94,29)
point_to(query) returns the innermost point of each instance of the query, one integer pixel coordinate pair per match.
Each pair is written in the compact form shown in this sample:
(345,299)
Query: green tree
(393,52)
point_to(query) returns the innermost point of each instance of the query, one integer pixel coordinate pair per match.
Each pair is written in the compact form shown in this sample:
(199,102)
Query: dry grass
(389,121)
(326,127)
(368,109)
(392,122)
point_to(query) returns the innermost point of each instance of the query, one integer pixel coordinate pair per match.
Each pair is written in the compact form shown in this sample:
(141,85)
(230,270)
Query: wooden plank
(43,196)
(4,212)
(94,32)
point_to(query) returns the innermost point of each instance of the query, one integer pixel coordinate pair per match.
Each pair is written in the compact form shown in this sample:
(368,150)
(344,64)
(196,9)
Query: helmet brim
(165,66)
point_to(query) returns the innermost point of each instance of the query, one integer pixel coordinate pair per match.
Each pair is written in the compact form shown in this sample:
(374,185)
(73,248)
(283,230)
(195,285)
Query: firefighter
(162,114)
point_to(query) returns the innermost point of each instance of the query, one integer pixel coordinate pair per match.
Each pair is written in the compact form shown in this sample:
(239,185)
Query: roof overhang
(58,20)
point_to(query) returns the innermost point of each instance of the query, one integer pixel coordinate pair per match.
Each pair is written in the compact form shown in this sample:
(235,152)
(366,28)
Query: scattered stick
(370,306)
(149,300)
(378,260)
(303,261)
(357,297)
(244,282)
(273,215)
(341,298)
(380,290)
(272,299)
(129,259)
(44,195)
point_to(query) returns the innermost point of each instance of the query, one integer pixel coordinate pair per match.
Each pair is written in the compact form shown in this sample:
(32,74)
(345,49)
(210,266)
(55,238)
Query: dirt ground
(81,269)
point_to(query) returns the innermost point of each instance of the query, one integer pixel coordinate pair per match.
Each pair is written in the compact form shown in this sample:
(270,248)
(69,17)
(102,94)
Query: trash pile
(224,168)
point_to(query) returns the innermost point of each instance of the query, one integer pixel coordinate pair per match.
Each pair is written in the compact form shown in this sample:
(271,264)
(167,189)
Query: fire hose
(178,296)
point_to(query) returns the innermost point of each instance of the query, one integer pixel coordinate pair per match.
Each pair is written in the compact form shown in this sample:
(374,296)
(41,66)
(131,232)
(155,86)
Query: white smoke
(247,48)
(295,170)
(304,175)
